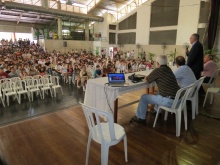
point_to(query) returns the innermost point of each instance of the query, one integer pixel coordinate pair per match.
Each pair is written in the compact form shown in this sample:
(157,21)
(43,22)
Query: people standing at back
(184,75)
(195,56)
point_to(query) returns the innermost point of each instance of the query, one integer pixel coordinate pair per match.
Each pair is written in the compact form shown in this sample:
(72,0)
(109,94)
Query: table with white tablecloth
(101,96)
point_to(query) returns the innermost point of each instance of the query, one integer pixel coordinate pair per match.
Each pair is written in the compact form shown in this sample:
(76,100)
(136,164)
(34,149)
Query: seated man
(167,86)
(209,67)
(3,74)
(184,75)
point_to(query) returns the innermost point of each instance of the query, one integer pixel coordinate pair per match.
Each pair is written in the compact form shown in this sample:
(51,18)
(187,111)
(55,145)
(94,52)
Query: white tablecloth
(96,96)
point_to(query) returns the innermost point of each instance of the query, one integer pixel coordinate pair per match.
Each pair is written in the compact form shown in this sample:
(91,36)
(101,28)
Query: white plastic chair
(193,96)
(107,134)
(46,85)
(50,79)
(213,78)
(56,85)
(211,91)
(33,87)
(21,88)
(9,90)
(3,103)
(178,105)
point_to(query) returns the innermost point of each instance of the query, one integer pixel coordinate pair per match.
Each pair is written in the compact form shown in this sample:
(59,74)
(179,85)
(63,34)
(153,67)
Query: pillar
(45,3)
(86,30)
(59,23)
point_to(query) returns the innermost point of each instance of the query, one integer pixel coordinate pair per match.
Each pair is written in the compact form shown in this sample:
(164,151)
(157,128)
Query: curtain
(213,22)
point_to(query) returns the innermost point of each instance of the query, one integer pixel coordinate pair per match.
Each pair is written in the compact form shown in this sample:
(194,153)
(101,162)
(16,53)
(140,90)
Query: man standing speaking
(195,56)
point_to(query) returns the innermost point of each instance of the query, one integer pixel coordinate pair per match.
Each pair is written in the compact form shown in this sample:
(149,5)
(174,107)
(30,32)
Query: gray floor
(16,112)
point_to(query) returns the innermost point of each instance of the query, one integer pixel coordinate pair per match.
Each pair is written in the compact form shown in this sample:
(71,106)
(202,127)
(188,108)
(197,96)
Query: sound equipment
(65,44)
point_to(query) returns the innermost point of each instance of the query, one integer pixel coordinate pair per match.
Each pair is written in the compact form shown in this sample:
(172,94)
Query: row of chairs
(28,86)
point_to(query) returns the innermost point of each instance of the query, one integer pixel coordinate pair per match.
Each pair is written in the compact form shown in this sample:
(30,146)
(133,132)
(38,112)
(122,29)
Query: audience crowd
(24,58)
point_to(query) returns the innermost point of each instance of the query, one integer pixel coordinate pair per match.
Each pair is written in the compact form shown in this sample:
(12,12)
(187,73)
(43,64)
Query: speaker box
(65,44)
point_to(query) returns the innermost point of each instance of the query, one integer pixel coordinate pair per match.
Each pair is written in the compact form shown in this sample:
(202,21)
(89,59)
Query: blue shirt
(184,76)
(97,72)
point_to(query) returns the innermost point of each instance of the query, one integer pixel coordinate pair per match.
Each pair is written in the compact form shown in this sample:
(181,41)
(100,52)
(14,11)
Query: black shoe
(138,120)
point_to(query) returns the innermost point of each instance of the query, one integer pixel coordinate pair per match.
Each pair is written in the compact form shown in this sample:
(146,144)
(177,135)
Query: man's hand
(145,78)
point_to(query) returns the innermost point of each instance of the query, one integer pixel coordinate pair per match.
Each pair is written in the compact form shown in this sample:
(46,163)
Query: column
(59,23)
(45,3)
(86,30)
(58,5)
(188,20)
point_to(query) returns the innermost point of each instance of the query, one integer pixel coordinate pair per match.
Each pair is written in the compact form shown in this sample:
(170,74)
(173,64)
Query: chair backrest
(45,81)
(15,79)
(181,96)
(213,78)
(196,85)
(20,85)
(8,86)
(55,80)
(93,116)
(37,76)
(32,84)
(27,77)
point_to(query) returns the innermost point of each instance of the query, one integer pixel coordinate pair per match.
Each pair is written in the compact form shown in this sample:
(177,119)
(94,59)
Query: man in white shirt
(184,74)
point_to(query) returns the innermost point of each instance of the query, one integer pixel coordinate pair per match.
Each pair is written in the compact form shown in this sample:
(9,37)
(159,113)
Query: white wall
(17,29)
(57,45)
(188,20)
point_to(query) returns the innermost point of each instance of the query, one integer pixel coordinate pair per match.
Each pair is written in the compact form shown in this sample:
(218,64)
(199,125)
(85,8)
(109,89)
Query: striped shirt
(165,79)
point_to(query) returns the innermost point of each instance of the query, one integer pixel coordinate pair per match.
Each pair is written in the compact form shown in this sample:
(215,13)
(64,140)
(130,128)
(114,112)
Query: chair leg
(193,109)
(126,148)
(61,90)
(54,92)
(32,96)
(155,120)
(51,93)
(178,123)
(88,149)
(185,116)
(8,100)
(166,115)
(2,102)
(104,153)
(205,98)
(19,98)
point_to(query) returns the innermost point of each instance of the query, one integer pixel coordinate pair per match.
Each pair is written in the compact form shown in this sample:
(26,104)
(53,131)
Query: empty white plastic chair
(45,86)
(33,87)
(212,91)
(178,105)
(56,85)
(21,88)
(3,103)
(50,79)
(193,96)
(9,89)
(105,133)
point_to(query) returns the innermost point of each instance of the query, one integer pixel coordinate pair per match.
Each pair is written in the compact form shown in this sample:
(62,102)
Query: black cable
(106,96)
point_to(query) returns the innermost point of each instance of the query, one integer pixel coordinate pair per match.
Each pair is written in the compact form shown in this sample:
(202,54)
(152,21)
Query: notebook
(116,80)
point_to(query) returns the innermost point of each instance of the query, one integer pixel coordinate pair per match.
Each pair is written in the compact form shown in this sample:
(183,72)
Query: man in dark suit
(195,56)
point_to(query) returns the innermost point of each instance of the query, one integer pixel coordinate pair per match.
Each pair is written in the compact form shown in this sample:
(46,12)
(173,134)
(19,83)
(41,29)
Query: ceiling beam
(97,4)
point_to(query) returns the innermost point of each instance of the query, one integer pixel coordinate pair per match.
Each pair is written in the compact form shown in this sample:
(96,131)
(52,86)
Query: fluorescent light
(62,1)
(78,4)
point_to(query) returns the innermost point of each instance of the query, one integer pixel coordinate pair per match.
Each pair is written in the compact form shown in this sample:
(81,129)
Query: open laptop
(116,80)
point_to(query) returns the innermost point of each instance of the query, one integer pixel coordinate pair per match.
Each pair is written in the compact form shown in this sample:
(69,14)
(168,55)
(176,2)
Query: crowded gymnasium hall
(109,82)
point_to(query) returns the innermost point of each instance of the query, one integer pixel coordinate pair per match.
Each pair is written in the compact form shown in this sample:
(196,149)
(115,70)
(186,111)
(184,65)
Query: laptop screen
(116,78)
